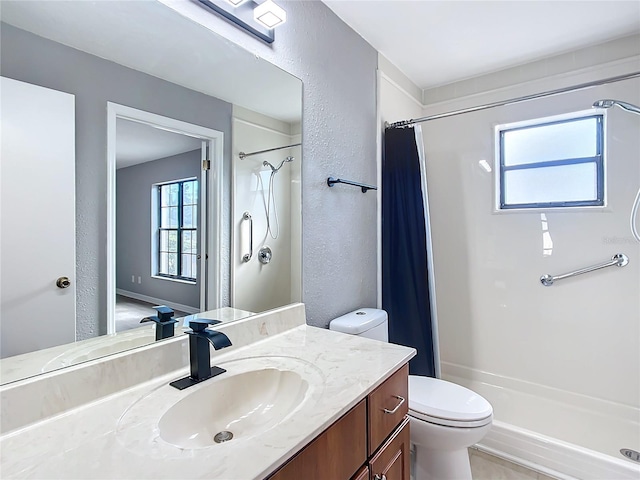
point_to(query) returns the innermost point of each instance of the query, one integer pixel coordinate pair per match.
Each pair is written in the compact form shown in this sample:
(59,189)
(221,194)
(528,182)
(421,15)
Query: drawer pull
(391,412)
(380,477)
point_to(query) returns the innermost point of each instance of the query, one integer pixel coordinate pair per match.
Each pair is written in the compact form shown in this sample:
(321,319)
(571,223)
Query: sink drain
(223,436)
(630,454)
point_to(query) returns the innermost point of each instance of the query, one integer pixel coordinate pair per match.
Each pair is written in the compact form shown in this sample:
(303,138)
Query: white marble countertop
(114,438)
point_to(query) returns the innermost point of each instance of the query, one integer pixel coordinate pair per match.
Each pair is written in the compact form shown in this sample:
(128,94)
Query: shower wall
(255,286)
(576,343)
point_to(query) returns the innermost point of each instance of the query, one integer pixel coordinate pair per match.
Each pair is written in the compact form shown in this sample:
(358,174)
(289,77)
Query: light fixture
(256,17)
(269,14)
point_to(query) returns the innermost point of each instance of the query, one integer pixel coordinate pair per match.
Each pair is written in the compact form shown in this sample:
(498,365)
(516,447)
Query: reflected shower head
(608,103)
(275,169)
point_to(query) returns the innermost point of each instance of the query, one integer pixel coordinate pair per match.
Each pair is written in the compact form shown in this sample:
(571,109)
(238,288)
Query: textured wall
(95,82)
(133,227)
(338,69)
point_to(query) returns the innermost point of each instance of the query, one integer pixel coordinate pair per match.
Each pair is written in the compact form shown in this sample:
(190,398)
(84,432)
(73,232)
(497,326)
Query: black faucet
(164,323)
(199,359)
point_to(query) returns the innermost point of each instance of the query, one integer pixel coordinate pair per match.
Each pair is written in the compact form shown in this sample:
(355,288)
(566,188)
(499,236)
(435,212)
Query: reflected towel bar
(618,260)
(332,181)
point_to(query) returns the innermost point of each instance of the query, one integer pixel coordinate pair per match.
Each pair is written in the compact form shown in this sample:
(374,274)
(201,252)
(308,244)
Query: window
(178,229)
(551,162)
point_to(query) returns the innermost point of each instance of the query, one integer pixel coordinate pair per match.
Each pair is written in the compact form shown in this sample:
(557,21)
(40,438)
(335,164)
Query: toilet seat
(448,404)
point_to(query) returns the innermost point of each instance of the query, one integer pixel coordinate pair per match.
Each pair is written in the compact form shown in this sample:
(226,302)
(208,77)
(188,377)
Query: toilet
(445,418)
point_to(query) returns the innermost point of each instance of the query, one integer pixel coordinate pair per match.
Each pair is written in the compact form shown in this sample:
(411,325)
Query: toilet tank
(365,322)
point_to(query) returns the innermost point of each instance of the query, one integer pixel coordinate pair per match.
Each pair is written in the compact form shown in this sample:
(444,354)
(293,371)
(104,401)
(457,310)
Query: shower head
(608,103)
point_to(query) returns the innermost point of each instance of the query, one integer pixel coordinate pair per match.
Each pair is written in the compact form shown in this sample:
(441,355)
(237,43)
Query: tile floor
(489,467)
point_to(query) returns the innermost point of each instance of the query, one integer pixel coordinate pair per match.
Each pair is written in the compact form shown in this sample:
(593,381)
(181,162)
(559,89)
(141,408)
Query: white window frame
(498,208)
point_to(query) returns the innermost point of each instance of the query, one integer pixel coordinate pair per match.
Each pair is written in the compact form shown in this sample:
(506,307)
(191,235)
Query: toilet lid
(440,399)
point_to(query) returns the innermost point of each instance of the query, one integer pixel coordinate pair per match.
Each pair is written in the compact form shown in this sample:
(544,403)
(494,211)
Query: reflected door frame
(212,188)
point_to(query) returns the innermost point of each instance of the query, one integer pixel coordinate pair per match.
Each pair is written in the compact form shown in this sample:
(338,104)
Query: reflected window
(177,246)
(551,162)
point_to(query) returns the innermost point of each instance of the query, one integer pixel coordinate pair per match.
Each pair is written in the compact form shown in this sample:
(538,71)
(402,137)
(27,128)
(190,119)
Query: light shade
(236,3)
(269,14)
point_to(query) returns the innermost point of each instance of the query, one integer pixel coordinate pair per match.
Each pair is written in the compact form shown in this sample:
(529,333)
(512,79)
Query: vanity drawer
(363,474)
(338,453)
(388,405)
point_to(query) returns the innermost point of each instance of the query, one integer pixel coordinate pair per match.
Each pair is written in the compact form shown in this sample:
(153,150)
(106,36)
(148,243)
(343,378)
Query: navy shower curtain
(405,287)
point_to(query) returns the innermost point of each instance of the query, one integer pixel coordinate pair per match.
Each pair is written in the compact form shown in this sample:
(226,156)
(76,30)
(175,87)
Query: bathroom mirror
(160,110)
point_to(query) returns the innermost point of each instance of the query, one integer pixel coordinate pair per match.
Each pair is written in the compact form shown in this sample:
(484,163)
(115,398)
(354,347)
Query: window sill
(583,208)
(176,280)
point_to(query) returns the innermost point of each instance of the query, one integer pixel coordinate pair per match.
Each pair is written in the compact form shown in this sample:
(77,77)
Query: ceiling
(138,143)
(165,45)
(439,42)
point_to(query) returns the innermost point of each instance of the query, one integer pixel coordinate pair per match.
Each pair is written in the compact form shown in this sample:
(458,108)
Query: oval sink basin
(244,404)
(100,347)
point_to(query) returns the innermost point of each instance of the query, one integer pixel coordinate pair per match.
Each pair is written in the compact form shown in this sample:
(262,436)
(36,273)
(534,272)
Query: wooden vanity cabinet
(370,442)
(336,453)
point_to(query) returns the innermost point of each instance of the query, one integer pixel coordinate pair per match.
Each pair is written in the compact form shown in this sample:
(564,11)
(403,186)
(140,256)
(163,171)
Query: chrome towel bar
(618,260)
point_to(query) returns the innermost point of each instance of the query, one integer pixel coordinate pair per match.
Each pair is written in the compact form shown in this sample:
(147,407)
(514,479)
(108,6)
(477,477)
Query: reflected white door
(37,213)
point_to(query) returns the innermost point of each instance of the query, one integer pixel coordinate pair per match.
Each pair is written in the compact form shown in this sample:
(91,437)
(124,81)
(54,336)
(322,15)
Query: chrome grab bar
(618,260)
(247,256)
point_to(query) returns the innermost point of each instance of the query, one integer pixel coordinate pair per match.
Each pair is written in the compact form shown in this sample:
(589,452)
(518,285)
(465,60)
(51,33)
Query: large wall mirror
(146,161)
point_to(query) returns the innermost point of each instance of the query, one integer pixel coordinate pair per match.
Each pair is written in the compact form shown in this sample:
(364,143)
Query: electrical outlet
(133,279)
(139,279)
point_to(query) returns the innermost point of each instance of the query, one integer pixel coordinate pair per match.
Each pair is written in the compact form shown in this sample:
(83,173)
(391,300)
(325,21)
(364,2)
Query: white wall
(398,97)
(496,321)
(258,287)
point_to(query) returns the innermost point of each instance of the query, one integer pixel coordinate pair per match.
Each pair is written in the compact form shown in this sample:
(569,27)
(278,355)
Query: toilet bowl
(445,418)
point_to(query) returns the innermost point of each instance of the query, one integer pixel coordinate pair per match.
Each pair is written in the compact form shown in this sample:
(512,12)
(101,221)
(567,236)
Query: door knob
(63,282)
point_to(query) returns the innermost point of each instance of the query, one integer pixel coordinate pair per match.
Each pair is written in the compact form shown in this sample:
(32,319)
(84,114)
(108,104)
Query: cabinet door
(392,460)
(336,454)
(388,405)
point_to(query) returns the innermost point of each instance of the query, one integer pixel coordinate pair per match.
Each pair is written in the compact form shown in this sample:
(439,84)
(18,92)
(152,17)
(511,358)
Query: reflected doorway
(161,228)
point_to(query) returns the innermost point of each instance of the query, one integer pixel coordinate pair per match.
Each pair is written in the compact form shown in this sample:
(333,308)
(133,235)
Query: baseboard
(156,301)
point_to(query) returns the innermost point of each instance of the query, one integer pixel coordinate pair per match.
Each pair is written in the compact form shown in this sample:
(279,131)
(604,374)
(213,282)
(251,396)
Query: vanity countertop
(114,437)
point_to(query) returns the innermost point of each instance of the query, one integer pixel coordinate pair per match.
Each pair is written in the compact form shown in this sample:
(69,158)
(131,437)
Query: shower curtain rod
(242,155)
(549,93)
